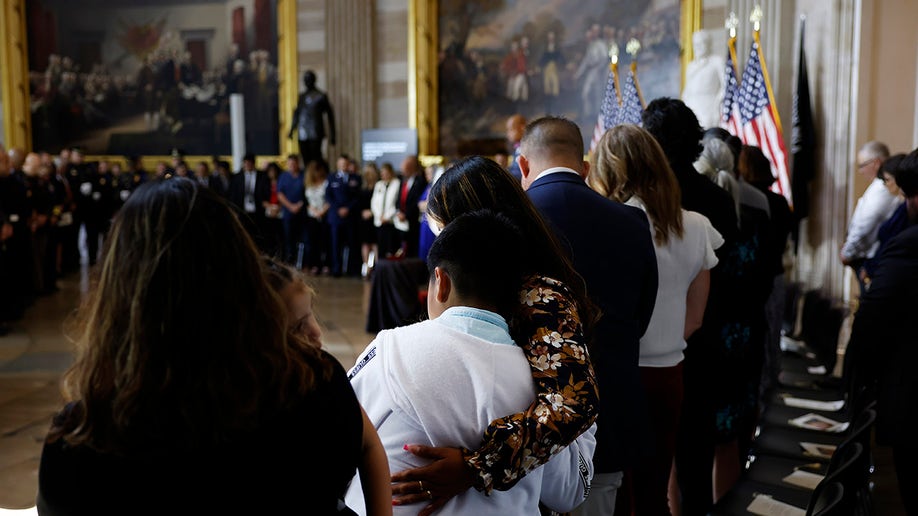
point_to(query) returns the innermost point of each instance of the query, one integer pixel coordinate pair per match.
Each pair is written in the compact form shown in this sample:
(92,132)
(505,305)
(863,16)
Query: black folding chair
(849,467)
(829,502)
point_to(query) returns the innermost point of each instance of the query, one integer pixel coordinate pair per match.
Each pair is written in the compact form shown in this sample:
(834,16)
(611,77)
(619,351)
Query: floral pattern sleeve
(548,328)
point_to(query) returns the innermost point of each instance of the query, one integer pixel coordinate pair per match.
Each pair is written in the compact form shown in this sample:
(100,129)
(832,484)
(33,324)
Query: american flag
(632,105)
(729,114)
(608,111)
(760,121)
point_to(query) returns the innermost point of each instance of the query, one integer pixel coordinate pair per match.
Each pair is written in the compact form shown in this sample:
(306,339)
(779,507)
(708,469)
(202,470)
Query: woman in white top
(630,167)
(383,204)
(316,207)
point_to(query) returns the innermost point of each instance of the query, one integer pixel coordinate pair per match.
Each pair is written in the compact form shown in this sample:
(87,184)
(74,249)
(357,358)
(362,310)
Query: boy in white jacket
(442,381)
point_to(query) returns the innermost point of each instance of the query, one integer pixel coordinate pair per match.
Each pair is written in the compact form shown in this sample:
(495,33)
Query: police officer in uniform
(14,242)
(98,205)
(78,176)
(342,195)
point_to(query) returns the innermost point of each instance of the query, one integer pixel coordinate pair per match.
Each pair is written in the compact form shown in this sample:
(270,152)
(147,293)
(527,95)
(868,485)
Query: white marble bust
(704,79)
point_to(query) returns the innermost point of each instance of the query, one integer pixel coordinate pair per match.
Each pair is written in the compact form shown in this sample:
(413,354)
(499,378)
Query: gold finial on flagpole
(633,47)
(613,53)
(731,24)
(756,17)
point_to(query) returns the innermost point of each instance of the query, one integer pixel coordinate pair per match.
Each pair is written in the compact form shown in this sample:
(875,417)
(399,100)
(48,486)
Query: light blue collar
(476,322)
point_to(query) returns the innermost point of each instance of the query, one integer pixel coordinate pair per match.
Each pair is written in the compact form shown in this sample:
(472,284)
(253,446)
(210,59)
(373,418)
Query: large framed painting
(476,62)
(147,77)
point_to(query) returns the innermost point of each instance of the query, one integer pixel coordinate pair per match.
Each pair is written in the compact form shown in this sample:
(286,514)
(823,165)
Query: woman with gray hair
(716,163)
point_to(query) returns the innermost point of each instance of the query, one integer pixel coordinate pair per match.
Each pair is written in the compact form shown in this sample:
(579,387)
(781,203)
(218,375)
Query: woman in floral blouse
(552,326)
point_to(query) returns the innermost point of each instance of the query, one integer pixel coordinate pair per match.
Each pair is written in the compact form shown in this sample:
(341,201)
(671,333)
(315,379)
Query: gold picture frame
(14,85)
(423,38)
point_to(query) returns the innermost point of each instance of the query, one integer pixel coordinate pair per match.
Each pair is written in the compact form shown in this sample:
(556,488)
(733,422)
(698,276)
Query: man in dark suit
(249,189)
(611,247)
(99,207)
(882,347)
(409,215)
(342,194)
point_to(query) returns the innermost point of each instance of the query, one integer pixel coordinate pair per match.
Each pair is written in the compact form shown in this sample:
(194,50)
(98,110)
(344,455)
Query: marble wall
(359,51)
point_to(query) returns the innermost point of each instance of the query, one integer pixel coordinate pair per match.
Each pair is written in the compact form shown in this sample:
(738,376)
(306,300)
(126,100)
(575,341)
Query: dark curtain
(264,37)
(239,31)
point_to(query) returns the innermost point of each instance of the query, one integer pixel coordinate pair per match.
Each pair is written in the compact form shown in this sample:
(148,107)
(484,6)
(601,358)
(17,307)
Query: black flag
(803,139)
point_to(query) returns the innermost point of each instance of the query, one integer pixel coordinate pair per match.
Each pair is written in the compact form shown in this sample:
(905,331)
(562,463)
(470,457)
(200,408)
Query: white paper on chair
(826,406)
(803,479)
(821,451)
(820,370)
(765,505)
(813,421)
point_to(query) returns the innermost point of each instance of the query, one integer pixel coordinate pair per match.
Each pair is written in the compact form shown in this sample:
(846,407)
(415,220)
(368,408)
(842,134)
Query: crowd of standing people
(648,278)
(57,211)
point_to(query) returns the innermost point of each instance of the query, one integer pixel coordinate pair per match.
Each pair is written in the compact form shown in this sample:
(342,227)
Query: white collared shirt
(556,170)
(873,208)
(249,201)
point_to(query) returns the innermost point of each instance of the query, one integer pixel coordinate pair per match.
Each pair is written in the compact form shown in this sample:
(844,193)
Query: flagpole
(613,68)
(633,47)
(731,24)
(756,18)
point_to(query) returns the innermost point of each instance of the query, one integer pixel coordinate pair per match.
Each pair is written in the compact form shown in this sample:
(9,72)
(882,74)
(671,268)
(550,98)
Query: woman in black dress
(191,393)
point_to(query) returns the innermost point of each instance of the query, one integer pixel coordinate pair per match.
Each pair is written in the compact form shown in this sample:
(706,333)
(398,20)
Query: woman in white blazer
(383,205)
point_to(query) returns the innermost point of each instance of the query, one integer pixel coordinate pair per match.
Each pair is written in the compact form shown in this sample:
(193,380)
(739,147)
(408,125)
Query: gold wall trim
(422,74)
(423,40)
(690,23)
(288,71)
(14,74)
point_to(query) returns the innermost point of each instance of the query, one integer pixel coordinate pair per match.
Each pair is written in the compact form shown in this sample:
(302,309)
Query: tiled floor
(33,357)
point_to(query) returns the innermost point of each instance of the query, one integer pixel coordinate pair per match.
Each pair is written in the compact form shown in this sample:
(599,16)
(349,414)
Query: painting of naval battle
(537,57)
(122,77)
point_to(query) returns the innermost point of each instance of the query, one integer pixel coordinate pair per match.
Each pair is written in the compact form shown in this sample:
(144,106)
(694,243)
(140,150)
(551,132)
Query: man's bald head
(551,142)
(870,157)
(553,139)
(875,149)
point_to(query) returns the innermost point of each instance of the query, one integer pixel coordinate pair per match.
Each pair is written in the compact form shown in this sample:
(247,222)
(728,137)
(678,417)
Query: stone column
(350,43)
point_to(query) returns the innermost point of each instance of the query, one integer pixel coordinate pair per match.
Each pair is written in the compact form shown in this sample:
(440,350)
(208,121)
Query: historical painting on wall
(500,57)
(122,77)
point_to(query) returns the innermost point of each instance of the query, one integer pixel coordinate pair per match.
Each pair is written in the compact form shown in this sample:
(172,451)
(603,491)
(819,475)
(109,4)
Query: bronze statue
(308,120)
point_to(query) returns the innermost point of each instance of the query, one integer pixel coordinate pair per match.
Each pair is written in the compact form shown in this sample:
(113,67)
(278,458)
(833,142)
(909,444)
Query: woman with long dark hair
(191,392)
(552,324)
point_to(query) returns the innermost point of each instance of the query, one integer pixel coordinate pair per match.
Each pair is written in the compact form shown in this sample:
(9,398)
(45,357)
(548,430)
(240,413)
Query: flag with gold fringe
(608,110)
(730,118)
(632,100)
(761,124)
